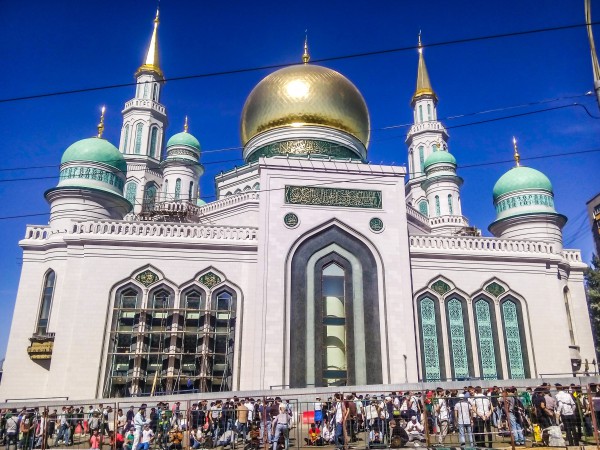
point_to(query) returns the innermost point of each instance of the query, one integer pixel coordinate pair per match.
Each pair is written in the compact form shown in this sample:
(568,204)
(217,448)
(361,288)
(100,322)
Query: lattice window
(450,208)
(428,111)
(437,206)
(431,354)
(177,188)
(423,208)
(458,342)
(421,159)
(125,139)
(485,333)
(131,192)
(47,293)
(145,90)
(153,142)
(420,113)
(512,334)
(191,190)
(149,197)
(138,138)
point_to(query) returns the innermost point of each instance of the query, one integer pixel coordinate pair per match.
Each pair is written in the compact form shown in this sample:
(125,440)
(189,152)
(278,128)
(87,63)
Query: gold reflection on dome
(305,95)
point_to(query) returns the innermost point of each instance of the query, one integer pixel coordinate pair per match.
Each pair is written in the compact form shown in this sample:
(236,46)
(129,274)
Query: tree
(592,281)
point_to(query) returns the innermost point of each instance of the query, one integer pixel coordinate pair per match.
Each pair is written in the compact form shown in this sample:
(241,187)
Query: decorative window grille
(131,191)
(450,208)
(153,139)
(177,188)
(191,191)
(334,325)
(423,208)
(420,113)
(421,159)
(458,342)
(149,197)
(437,205)
(428,111)
(487,349)
(138,138)
(512,335)
(429,337)
(125,139)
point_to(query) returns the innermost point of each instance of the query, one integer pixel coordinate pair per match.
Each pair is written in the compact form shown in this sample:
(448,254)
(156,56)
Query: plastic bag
(555,437)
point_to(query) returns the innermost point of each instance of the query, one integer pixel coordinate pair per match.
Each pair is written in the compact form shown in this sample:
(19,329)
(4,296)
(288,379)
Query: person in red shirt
(314,436)
(95,441)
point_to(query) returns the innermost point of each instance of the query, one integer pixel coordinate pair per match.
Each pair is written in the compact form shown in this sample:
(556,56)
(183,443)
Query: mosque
(312,267)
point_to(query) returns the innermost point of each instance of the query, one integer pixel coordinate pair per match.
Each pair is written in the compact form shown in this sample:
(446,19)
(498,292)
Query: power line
(329,183)
(374,140)
(278,66)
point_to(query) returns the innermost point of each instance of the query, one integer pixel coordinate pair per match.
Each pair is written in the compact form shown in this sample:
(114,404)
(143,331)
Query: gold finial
(185,125)
(151,62)
(306,55)
(516,155)
(101,124)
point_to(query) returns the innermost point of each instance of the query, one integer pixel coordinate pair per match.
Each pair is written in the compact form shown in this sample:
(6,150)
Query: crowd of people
(471,416)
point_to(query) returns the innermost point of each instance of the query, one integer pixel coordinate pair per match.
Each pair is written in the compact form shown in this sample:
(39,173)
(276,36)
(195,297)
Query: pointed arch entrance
(334,312)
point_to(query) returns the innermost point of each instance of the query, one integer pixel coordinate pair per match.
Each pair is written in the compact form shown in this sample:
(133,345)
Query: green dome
(95,150)
(441,156)
(519,179)
(184,138)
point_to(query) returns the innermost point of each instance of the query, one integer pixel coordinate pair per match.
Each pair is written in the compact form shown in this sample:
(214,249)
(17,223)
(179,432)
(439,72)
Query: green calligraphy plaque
(321,196)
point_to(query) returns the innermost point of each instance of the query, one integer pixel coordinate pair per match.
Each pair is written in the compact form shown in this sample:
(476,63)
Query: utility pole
(595,65)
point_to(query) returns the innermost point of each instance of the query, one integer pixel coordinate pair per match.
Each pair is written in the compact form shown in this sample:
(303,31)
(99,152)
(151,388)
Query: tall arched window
(44,313)
(166,190)
(194,320)
(421,159)
(568,311)
(125,139)
(420,113)
(430,345)
(428,111)
(155,92)
(485,329)
(458,326)
(153,142)
(434,147)
(334,325)
(219,373)
(158,360)
(437,205)
(450,206)
(177,188)
(423,208)
(514,339)
(125,345)
(191,191)
(149,197)
(145,90)
(131,191)
(138,138)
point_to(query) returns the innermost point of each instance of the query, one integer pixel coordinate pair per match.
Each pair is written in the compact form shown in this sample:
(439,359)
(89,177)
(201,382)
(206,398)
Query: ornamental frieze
(320,196)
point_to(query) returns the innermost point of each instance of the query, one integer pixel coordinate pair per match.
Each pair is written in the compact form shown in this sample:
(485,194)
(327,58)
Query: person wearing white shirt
(462,410)
(567,408)
(415,431)
(441,415)
(482,420)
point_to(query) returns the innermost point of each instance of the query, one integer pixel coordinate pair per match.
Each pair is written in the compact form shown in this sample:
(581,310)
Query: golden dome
(305,95)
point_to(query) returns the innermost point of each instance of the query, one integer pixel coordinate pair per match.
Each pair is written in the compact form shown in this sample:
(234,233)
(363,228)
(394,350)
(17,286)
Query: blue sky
(54,46)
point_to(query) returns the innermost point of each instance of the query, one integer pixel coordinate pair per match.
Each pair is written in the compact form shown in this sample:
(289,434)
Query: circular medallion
(376,224)
(291,220)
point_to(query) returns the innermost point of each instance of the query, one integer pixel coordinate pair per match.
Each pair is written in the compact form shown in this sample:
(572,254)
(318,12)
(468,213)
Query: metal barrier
(493,417)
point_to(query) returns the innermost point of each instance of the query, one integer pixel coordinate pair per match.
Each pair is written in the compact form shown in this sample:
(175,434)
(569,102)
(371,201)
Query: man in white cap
(415,431)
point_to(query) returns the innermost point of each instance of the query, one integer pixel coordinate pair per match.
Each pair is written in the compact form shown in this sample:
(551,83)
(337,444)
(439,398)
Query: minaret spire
(306,55)
(516,153)
(101,124)
(151,62)
(423,83)
(185,125)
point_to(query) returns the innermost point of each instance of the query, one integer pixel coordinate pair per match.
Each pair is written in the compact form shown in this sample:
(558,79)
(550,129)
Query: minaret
(144,123)
(426,135)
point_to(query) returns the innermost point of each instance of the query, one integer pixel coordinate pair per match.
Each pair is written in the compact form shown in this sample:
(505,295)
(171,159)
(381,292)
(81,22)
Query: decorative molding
(441,287)
(303,147)
(41,347)
(319,196)
(147,277)
(210,279)
(495,289)
(291,220)
(376,224)
(525,200)
(91,173)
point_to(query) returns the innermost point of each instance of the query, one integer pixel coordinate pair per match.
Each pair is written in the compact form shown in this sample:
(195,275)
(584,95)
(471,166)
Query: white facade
(247,302)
